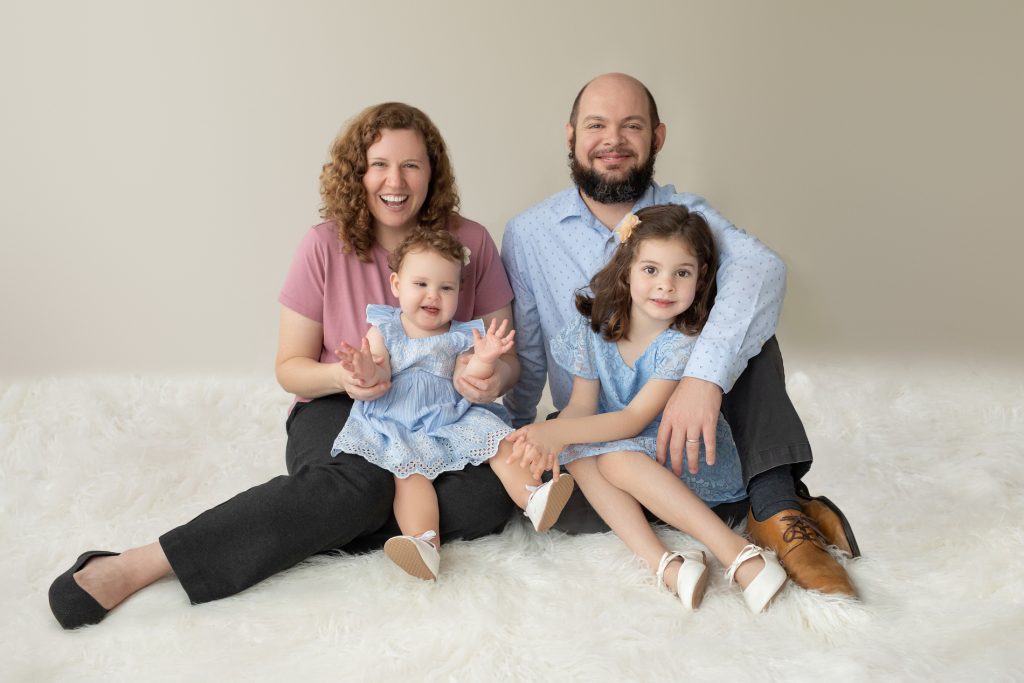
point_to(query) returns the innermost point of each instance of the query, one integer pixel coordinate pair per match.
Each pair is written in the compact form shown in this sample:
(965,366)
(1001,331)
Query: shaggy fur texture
(928,466)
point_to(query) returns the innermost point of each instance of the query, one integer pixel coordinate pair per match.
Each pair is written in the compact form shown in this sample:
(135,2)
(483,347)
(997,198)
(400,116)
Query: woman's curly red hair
(341,181)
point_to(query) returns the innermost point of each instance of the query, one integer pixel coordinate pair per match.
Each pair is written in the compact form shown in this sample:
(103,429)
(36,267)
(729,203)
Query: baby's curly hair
(441,241)
(609,303)
(341,181)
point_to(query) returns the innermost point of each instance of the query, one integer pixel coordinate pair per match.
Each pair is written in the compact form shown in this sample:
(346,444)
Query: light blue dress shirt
(554,248)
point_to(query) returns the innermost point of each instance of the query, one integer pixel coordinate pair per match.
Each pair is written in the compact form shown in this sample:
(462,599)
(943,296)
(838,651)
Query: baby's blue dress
(585,353)
(422,425)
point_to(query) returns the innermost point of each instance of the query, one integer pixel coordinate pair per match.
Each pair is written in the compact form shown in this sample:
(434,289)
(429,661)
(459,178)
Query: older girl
(627,351)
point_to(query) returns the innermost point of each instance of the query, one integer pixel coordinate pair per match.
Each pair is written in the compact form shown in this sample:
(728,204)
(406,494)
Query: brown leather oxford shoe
(801,548)
(831,522)
(829,518)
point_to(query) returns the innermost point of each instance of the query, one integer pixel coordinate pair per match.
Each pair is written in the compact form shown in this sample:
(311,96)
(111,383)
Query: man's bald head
(616,80)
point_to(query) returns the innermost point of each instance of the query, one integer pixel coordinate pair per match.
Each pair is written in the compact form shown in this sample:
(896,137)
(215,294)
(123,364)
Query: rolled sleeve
(751,288)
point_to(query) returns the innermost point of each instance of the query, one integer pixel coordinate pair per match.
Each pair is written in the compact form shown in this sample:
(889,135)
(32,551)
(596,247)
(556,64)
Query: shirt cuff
(709,362)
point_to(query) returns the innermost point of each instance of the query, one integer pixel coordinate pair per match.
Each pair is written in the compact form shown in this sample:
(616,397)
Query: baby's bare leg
(514,478)
(416,506)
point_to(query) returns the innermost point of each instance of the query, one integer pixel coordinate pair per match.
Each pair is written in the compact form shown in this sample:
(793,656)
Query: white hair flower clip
(465,256)
(627,226)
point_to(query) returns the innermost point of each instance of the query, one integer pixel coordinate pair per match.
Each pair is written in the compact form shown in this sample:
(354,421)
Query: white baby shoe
(691,580)
(766,584)
(416,555)
(547,500)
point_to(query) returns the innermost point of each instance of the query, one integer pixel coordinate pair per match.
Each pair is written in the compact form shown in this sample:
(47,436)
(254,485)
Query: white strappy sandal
(691,580)
(766,584)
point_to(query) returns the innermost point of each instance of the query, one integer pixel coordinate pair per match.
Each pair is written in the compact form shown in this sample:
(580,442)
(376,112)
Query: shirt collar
(571,205)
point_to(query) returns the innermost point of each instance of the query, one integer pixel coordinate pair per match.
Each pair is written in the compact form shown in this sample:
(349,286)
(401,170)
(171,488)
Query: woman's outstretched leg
(112,578)
(324,503)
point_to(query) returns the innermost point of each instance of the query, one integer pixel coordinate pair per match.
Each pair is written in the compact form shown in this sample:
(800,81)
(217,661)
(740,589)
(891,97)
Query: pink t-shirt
(333,288)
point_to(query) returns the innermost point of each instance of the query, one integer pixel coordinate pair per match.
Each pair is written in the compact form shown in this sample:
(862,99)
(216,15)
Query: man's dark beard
(624,191)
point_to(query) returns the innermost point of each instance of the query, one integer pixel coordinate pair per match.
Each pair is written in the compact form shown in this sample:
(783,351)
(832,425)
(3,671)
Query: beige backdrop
(159,160)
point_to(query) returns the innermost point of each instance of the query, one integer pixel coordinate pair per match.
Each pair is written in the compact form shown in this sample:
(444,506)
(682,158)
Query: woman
(389,172)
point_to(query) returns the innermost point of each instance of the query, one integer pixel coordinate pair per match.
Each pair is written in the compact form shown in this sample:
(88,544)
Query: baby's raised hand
(360,363)
(495,342)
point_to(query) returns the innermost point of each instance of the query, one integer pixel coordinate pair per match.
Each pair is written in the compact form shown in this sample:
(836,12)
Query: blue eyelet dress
(422,425)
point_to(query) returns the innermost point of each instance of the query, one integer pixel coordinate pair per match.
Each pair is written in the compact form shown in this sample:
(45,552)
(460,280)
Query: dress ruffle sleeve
(672,354)
(380,314)
(573,348)
(464,333)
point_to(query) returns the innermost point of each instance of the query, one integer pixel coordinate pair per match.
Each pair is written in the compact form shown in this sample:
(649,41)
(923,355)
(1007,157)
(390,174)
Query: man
(552,249)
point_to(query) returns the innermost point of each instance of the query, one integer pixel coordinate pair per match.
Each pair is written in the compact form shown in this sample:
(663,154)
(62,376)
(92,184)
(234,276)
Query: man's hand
(476,390)
(691,413)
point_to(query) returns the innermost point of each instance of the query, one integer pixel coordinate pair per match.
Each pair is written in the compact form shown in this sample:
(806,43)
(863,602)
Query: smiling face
(396,181)
(613,144)
(662,280)
(427,287)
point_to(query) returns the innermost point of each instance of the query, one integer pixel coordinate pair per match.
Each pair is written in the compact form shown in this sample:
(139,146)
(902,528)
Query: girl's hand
(530,457)
(536,447)
(494,343)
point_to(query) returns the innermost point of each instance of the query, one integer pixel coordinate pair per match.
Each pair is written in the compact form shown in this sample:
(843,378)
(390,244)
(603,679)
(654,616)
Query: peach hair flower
(465,256)
(627,226)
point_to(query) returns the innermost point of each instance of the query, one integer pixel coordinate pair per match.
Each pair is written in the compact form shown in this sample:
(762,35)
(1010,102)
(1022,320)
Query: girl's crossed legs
(618,483)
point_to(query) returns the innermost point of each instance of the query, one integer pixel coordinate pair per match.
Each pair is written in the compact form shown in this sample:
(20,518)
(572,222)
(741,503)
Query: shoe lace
(427,536)
(801,528)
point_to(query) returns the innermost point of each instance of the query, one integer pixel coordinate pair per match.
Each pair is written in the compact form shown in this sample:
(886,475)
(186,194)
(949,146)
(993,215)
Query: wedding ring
(693,441)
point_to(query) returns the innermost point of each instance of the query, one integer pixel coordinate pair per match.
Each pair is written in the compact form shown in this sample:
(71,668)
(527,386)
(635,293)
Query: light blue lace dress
(584,353)
(422,425)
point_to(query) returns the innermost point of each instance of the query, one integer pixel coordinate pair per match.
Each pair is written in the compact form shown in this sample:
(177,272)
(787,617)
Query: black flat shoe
(69,602)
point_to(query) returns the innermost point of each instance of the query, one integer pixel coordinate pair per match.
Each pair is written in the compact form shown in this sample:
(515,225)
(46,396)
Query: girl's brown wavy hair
(609,303)
(341,181)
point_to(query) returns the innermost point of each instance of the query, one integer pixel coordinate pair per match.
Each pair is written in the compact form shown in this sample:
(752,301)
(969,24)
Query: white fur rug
(928,465)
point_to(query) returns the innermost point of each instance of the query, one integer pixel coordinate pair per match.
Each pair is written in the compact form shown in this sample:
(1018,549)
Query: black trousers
(322,504)
(767,430)
(345,503)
